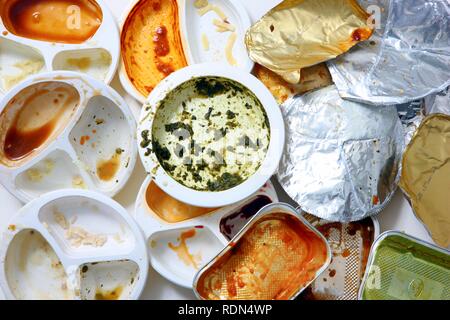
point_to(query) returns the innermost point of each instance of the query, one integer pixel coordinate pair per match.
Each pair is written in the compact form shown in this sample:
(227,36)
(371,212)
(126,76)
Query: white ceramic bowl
(253,183)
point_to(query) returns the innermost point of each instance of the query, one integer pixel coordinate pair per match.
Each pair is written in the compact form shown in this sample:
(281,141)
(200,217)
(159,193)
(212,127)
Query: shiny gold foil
(301,33)
(426,176)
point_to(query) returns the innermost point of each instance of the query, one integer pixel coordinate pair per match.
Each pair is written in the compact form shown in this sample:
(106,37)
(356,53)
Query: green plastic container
(402,267)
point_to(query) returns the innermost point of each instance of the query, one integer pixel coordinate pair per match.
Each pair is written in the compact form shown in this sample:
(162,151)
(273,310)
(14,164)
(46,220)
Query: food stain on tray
(182,249)
(107,169)
(109,294)
(275,258)
(350,245)
(62,21)
(151,43)
(170,209)
(234,222)
(33,116)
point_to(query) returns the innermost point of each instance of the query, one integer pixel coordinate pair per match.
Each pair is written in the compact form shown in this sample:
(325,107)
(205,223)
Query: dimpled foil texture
(342,158)
(407,57)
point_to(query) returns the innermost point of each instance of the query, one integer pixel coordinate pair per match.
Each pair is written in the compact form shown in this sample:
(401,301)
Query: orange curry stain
(151,43)
(107,169)
(84,139)
(170,209)
(274,259)
(182,249)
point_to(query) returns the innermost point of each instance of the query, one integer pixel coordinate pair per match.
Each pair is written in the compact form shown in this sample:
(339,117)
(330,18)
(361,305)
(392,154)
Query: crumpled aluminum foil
(439,103)
(406,59)
(411,115)
(342,158)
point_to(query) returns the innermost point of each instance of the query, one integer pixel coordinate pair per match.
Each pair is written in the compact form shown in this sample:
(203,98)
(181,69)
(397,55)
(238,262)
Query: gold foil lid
(301,33)
(425,176)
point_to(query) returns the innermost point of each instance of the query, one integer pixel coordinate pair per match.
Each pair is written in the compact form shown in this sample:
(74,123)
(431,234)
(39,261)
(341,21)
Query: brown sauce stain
(182,249)
(32,126)
(170,209)
(19,144)
(273,260)
(53,20)
(107,169)
(109,295)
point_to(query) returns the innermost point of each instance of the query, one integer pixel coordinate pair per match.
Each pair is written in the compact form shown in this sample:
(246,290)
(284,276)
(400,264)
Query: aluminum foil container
(342,158)
(411,115)
(407,57)
(438,103)
(301,33)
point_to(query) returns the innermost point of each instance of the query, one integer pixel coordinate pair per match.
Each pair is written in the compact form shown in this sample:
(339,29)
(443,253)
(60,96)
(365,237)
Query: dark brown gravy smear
(273,260)
(234,222)
(37,119)
(62,21)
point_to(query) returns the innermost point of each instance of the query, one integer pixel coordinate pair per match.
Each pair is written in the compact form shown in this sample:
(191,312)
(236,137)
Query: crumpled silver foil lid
(342,158)
(438,103)
(406,59)
(411,115)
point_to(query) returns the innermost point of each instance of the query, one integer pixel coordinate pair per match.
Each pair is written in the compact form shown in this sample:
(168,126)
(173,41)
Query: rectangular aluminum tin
(380,240)
(345,269)
(269,209)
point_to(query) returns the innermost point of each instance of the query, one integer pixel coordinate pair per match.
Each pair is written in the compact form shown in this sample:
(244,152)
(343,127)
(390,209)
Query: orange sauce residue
(107,169)
(182,249)
(151,43)
(273,260)
(62,21)
(84,139)
(170,209)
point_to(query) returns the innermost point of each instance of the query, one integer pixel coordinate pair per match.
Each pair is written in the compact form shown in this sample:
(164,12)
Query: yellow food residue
(223,26)
(27,68)
(205,42)
(229,49)
(82,64)
(182,249)
(109,295)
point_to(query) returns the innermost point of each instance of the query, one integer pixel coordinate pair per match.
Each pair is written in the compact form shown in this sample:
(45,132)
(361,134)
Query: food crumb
(205,42)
